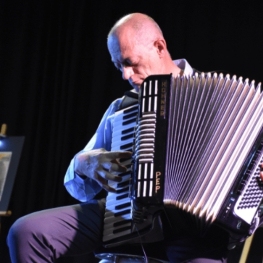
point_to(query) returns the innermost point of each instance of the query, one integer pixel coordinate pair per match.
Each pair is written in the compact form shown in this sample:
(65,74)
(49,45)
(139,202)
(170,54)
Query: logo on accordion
(163,100)
(157,181)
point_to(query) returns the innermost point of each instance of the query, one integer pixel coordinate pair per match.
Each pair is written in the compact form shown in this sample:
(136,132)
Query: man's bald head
(142,28)
(138,49)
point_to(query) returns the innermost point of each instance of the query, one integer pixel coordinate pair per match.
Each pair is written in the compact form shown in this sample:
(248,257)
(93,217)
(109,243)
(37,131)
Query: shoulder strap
(130,98)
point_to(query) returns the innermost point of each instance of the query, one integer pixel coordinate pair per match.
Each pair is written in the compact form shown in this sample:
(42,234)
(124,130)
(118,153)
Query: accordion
(197,144)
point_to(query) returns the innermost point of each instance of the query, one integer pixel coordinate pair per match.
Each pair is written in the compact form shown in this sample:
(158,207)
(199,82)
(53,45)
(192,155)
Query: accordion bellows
(214,122)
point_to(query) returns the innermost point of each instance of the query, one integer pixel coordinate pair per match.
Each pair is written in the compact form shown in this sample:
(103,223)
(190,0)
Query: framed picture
(10,152)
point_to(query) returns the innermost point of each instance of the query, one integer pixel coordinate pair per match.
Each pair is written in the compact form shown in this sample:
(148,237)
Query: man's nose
(127,72)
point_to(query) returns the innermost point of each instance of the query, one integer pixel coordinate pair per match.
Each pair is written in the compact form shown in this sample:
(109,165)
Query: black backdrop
(56,77)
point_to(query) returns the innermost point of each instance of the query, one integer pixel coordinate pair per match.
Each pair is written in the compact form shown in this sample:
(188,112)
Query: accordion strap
(130,98)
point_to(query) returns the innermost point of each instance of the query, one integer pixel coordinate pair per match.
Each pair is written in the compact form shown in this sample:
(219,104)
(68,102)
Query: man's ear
(160,45)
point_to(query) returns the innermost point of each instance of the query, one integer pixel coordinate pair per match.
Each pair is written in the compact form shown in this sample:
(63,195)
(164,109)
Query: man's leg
(197,251)
(49,234)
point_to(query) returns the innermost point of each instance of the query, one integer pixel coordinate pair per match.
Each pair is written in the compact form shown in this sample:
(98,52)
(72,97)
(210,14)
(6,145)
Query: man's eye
(126,63)
(130,64)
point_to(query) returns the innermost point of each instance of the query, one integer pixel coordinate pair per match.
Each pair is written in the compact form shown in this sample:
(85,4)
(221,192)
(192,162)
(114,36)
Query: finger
(99,177)
(109,176)
(117,167)
(108,188)
(104,183)
(107,165)
(114,166)
(119,155)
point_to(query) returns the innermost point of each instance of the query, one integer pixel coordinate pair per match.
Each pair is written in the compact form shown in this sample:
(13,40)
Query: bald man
(138,49)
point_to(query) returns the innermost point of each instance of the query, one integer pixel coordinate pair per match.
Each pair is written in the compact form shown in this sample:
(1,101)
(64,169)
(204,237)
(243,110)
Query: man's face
(135,61)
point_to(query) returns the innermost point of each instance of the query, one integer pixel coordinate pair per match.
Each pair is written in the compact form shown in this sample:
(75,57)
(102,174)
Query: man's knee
(24,229)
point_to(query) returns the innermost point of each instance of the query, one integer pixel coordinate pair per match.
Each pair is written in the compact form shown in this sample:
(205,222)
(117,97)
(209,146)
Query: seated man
(138,49)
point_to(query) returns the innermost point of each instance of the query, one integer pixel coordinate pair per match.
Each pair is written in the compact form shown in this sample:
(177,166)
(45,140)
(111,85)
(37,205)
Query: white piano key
(151,171)
(113,198)
(113,219)
(124,119)
(156,87)
(124,213)
(122,140)
(120,213)
(109,230)
(113,184)
(155,104)
(150,88)
(112,236)
(149,104)
(114,144)
(116,211)
(119,132)
(145,171)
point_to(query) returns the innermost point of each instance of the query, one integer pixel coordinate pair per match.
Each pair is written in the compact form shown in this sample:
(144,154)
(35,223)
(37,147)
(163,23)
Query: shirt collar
(185,66)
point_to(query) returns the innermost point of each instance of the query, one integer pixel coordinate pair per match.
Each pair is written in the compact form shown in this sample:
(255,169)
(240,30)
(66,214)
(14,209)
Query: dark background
(56,77)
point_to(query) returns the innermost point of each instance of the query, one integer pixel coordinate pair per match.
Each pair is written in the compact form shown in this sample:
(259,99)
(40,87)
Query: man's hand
(101,166)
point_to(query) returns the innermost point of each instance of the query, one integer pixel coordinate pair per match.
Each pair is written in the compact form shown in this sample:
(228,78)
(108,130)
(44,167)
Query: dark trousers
(49,234)
(73,230)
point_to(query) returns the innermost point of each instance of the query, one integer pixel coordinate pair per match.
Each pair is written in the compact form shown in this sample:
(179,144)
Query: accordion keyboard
(117,221)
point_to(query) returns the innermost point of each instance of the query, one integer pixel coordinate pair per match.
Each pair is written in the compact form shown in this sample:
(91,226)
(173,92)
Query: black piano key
(129,121)
(126,137)
(121,229)
(130,130)
(125,189)
(124,212)
(123,184)
(122,206)
(125,146)
(131,115)
(126,111)
(122,196)
(123,222)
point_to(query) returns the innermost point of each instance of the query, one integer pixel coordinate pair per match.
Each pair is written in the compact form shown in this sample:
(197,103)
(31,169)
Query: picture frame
(10,152)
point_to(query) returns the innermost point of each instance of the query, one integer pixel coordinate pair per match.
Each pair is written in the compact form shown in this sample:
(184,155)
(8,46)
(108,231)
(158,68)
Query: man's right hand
(101,166)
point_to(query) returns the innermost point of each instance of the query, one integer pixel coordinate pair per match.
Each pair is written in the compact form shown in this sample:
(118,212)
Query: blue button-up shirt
(86,189)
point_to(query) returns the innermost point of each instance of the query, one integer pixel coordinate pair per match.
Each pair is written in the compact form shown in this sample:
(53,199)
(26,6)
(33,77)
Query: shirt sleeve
(85,189)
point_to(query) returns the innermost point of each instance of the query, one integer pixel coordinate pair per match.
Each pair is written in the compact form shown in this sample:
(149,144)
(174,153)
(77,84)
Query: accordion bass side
(198,145)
